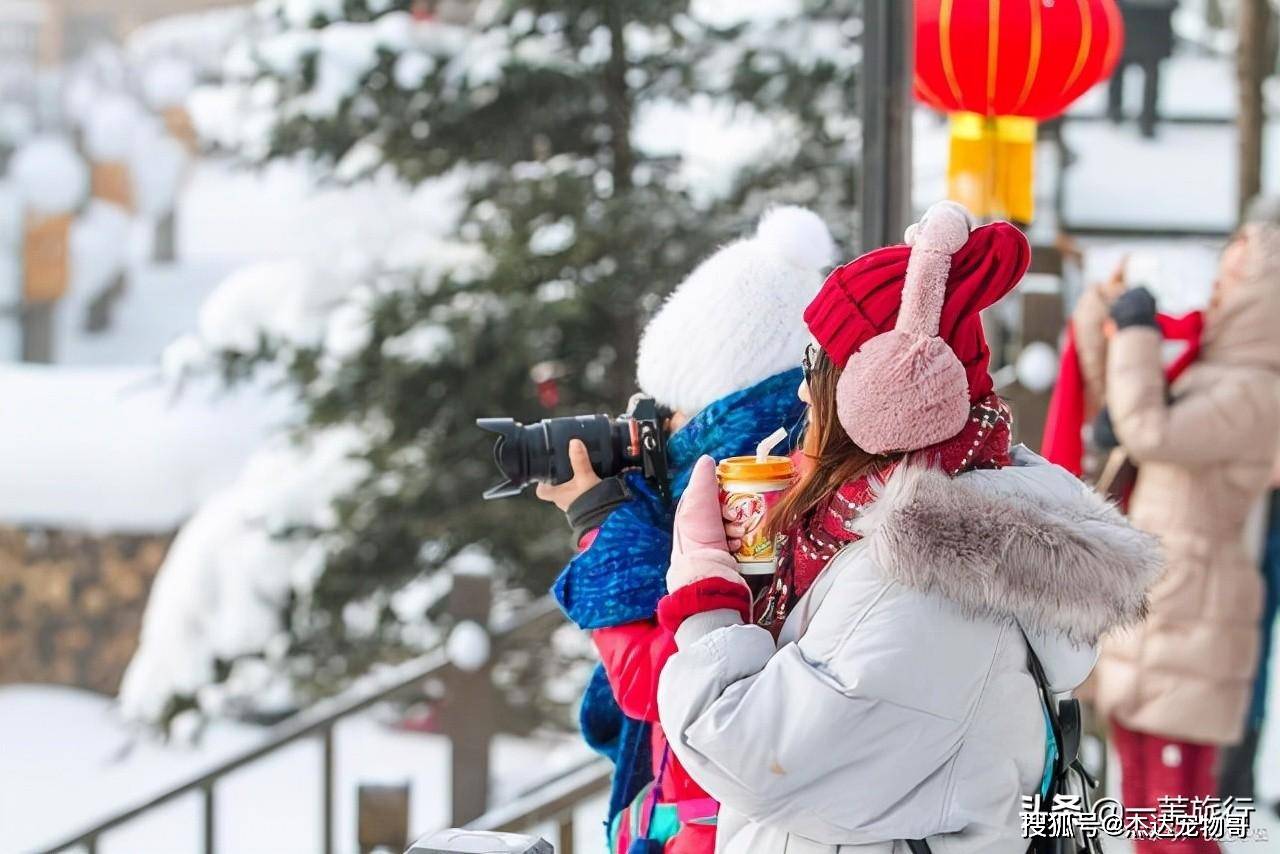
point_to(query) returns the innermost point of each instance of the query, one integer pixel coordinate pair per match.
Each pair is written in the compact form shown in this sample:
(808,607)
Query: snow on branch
(223,590)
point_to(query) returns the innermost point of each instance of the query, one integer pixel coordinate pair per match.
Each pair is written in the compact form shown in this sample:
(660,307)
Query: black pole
(888,66)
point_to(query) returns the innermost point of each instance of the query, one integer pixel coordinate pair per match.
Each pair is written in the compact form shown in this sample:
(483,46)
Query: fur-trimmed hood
(1028,541)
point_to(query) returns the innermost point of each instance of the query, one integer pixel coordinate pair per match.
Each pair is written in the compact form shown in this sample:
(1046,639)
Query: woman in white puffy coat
(921,554)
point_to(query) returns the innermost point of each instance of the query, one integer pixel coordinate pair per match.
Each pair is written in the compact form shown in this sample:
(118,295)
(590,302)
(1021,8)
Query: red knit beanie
(860,300)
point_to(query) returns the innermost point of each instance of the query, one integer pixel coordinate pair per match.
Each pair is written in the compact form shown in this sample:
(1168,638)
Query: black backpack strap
(1051,707)
(1066,722)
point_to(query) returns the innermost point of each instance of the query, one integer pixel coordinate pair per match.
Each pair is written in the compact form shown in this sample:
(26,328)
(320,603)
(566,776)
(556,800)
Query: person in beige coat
(1177,686)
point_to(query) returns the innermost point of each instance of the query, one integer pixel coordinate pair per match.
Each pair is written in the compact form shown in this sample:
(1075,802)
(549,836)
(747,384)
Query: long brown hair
(832,458)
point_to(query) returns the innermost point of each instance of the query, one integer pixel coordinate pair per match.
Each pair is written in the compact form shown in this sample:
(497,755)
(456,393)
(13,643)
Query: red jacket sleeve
(633,655)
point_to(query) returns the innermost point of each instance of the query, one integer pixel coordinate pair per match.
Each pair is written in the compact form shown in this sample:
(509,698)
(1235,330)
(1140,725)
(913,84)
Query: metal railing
(553,800)
(317,721)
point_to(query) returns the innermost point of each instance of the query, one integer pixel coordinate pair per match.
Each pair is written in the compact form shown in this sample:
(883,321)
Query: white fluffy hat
(738,317)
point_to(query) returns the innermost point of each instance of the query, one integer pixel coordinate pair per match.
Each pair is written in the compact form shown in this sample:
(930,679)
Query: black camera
(527,453)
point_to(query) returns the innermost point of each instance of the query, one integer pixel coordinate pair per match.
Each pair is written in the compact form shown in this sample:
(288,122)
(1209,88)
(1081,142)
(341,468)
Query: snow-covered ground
(66,761)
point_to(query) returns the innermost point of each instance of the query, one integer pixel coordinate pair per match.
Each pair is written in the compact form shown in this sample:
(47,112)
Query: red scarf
(1062,443)
(983,444)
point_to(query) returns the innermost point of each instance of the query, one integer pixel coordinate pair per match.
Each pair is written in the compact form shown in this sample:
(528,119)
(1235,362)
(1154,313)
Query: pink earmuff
(905,389)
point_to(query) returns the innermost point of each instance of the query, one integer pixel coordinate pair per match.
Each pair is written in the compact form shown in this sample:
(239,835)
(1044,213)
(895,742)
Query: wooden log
(111,182)
(46,257)
(382,817)
(468,713)
(177,121)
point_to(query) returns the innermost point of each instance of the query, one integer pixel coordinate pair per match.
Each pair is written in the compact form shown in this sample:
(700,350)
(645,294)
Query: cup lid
(748,468)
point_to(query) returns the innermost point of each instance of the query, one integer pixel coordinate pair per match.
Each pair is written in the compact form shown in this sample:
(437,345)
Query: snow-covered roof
(115,449)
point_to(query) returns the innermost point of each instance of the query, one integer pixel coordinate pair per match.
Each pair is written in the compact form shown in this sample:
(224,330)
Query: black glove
(591,508)
(1135,307)
(1104,434)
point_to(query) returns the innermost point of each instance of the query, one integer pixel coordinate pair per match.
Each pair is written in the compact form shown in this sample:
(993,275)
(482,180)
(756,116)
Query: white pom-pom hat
(738,317)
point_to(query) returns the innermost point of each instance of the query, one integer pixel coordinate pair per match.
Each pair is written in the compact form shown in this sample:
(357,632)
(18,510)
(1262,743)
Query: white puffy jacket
(897,703)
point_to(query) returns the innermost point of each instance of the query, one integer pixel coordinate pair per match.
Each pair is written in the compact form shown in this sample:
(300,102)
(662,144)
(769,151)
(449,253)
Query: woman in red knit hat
(922,558)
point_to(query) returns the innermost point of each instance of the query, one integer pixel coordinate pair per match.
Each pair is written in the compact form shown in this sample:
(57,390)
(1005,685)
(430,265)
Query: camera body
(539,452)
(462,841)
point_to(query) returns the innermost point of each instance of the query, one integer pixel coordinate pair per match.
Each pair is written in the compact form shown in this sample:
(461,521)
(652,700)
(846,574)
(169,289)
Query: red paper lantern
(999,66)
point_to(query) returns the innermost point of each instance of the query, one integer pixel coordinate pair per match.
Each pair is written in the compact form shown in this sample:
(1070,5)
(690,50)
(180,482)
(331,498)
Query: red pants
(1151,768)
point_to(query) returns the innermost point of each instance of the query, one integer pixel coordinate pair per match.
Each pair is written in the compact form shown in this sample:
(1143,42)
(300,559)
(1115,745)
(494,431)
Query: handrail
(317,720)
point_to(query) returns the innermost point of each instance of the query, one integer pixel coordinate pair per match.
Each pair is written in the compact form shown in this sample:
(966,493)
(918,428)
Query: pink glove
(699,549)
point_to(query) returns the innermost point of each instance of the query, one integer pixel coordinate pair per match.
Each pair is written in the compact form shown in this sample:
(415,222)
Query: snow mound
(51,178)
(1037,367)
(468,646)
(109,128)
(112,449)
(167,81)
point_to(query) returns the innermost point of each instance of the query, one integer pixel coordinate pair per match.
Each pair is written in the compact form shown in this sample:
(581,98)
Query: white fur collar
(1029,541)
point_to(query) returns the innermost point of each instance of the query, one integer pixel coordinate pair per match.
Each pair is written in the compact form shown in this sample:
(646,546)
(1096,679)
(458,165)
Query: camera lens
(540,452)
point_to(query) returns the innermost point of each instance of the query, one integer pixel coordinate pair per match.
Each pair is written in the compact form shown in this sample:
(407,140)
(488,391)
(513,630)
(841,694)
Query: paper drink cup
(748,488)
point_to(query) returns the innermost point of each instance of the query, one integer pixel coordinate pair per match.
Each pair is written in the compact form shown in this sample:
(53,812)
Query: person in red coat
(729,338)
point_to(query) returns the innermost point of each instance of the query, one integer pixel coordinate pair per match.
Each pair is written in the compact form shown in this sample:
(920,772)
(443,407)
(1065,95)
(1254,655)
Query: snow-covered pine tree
(606,147)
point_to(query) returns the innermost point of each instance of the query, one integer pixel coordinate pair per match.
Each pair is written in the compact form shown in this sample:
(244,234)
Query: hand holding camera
(584,478)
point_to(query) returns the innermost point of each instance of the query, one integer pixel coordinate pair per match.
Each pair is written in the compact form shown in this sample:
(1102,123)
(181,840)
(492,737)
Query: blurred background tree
(601,152)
